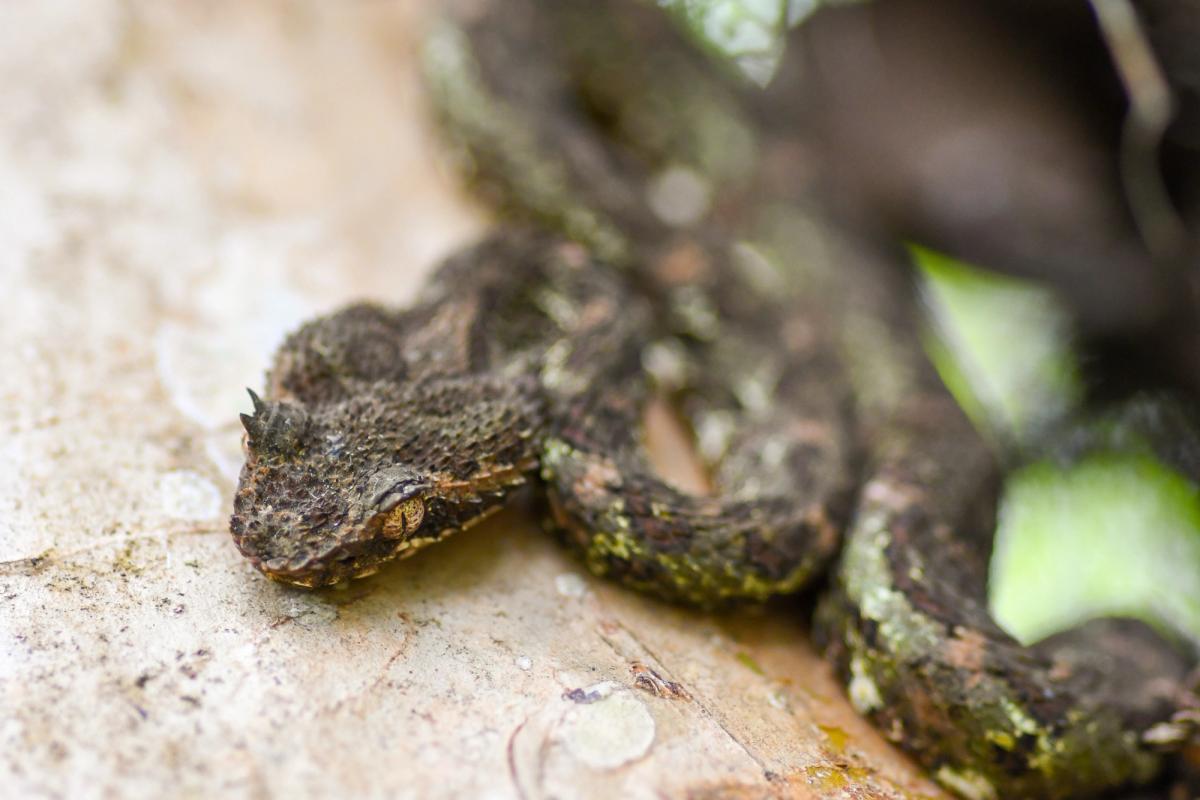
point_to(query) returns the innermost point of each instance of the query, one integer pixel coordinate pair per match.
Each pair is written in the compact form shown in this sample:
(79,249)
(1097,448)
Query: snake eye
(405,519)
(397,492)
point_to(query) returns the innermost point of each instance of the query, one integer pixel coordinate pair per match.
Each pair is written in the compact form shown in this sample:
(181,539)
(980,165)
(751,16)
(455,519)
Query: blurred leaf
(749,33)
(1003,347)
(1116,533)
(1112,535)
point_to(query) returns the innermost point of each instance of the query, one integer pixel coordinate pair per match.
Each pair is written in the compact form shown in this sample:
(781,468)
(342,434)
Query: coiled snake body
(530,357)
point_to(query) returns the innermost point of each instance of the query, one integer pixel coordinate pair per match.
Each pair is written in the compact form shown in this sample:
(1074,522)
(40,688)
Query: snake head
(332,490)
(316,504)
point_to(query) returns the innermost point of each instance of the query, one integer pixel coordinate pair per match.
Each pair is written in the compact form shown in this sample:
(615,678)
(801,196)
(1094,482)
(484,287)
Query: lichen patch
(609,733)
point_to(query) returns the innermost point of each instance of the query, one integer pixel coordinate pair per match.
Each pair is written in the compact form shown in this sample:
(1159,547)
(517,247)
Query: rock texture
(181,184)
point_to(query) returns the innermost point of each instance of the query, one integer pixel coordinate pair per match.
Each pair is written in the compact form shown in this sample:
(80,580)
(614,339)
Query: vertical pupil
(404,519)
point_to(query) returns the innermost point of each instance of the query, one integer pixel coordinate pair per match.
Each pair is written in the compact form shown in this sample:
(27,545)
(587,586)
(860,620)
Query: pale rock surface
(180,185)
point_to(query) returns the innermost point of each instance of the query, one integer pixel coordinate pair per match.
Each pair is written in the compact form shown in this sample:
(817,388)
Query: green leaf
(1112,535)
(1117,533)
(748,33)
(1002,345)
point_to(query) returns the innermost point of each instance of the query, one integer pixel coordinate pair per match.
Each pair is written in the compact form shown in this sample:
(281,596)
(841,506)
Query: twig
(1151,107)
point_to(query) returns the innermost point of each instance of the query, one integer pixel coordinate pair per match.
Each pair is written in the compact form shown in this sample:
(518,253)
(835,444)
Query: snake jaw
(361,553)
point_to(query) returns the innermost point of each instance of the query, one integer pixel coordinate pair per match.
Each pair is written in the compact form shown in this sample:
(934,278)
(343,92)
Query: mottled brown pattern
(525,359)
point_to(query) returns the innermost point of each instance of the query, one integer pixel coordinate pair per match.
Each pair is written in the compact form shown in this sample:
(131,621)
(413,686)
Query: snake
(836,456)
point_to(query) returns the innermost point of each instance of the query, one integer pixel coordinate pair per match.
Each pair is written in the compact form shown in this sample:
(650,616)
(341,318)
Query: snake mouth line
(331,571)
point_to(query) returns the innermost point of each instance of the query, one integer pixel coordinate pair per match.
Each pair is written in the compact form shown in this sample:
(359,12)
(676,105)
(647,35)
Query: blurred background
(183,184)
(1039,163)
